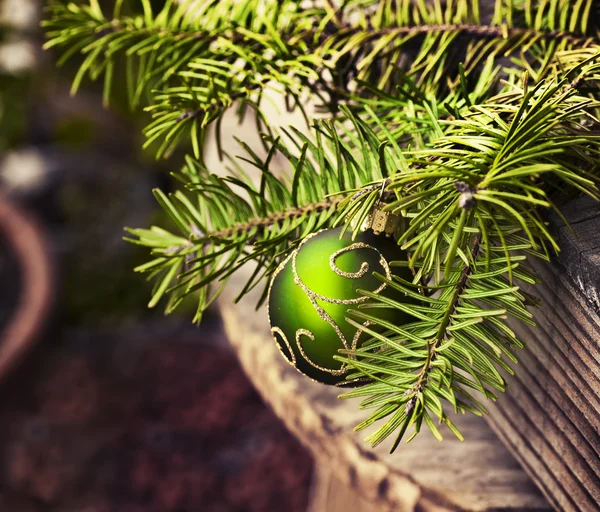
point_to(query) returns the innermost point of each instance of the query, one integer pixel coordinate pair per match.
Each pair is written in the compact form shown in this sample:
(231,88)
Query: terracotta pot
(27,242)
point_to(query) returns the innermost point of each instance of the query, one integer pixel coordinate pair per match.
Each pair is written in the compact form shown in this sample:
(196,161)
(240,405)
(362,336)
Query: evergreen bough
(470,125)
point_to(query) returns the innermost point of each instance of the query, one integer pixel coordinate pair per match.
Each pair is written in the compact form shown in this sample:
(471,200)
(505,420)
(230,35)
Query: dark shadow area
(113,407)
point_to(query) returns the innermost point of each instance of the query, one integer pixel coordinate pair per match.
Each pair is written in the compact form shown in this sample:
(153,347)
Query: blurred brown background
(109,406)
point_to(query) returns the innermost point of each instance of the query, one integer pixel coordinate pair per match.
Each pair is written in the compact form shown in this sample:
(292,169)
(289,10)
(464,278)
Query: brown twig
(276,218)
(441,333)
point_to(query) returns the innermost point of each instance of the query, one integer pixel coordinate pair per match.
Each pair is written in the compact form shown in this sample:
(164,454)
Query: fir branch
(197,62)
(220,231)
(475,32)
(275,218)
(206,60)
(441,335)
(413,367)
(463,143)
(469,250)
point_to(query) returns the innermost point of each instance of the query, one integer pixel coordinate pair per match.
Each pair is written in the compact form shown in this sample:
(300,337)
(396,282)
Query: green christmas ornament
(313,289)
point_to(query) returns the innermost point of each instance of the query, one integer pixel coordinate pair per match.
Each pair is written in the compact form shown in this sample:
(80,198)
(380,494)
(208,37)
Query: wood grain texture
(580,246)
(478,474)
(550,415)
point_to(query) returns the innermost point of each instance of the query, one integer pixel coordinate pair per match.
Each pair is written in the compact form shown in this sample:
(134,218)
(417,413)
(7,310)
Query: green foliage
(474,202)
(465,126)
(196,58)
(219,230)
(201,58)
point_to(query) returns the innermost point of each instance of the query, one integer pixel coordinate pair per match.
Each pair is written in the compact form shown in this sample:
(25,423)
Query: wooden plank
(478,474)
(580,246)
(550,416)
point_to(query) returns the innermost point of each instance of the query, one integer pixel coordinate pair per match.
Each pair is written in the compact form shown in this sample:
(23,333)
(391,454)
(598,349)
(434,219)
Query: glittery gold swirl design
(364,268)
(358,333)
(310,335)
(313,296)
(277,330)
(292,358)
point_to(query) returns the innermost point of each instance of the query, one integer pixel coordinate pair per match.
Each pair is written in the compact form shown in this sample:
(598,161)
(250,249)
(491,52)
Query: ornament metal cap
(380,221)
